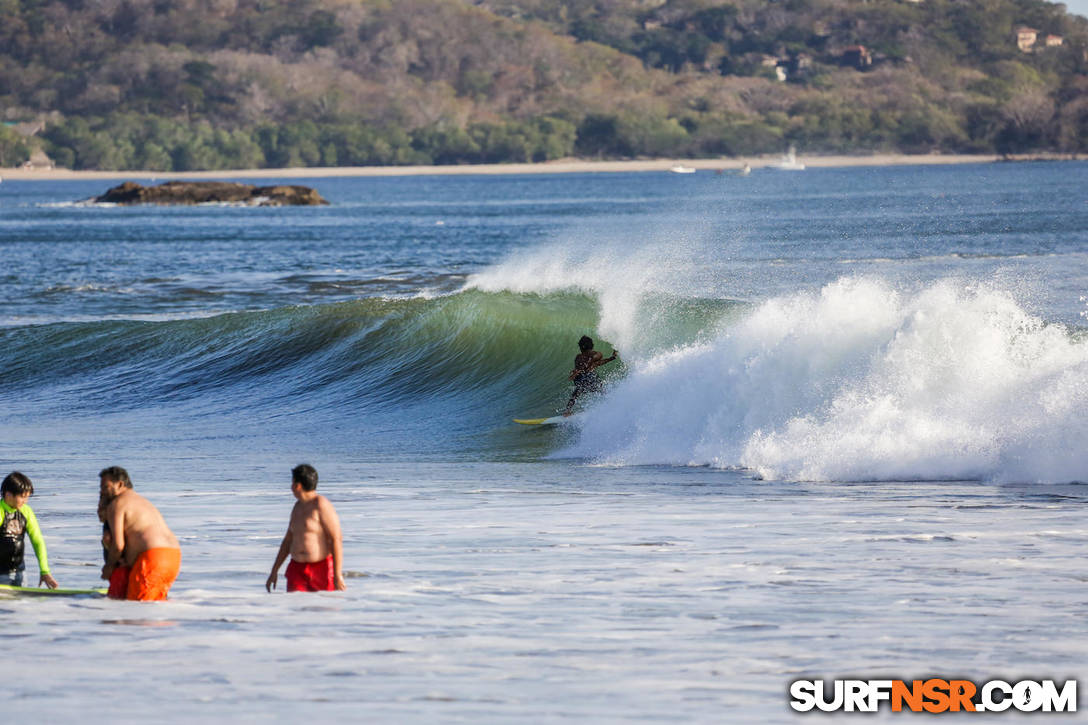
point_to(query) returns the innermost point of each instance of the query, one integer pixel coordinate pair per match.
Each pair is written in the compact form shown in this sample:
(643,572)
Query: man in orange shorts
(143,557)
(313,540)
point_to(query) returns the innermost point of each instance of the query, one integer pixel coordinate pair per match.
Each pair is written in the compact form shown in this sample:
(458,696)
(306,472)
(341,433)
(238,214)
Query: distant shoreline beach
(566,166)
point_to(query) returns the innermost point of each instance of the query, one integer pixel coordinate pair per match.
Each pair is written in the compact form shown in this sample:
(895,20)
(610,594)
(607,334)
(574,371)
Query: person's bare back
(140,524)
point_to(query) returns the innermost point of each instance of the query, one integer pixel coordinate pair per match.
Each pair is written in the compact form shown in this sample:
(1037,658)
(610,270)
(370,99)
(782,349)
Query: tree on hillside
(14,150)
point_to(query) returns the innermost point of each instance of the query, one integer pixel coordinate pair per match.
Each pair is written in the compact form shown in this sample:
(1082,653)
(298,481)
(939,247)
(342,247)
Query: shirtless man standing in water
(143,557)
(313,540)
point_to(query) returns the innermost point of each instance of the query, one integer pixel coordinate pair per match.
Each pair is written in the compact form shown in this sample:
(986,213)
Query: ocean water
(846,438)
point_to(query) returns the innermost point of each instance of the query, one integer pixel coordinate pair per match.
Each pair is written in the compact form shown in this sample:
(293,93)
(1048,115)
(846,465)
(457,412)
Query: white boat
(788,162)
(678,169)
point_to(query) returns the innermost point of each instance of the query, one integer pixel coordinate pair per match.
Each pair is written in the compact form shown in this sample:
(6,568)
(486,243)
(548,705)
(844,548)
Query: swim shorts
(119,582)
(315,576)
(589,382)
(153,573)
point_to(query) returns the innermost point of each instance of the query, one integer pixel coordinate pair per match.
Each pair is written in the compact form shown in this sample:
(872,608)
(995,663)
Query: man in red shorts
(313,540)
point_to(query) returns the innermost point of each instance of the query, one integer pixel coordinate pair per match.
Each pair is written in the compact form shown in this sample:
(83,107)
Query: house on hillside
(38,160)
(856,56)
(29,128)
(1025,38)
(1028,41)
(791,66)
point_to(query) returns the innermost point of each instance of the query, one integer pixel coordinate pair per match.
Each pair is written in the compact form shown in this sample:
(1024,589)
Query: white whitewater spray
(860,381)
(627,273)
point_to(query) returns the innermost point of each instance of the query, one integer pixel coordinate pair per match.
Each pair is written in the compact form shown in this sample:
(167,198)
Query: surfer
(18,520)
(143,556)
(584,377)
(313,540)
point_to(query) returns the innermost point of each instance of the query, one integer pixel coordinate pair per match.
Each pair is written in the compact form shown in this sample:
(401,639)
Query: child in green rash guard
(19,520)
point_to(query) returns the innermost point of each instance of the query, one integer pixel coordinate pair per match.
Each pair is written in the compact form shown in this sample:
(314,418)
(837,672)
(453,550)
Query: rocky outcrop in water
(211,192)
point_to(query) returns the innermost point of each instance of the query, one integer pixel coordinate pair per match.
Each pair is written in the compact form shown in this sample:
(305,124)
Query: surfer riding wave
(584,375)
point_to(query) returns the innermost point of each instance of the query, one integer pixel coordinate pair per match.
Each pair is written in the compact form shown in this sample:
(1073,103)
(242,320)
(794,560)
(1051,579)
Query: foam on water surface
(600,595)
(860,381)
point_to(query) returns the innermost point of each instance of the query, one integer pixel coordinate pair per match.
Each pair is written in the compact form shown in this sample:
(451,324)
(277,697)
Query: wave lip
(859,381)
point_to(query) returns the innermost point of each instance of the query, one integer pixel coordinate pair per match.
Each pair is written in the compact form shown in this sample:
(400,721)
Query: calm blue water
(838,391)
(760,235)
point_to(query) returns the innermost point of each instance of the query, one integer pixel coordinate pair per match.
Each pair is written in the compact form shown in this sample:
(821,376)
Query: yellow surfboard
(541,421)
(42,591)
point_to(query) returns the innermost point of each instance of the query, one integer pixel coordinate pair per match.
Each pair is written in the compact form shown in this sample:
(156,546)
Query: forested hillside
(214,84)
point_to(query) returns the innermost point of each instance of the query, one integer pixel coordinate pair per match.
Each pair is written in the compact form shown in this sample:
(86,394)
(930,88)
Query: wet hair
(116,474)
(586,343)
(304,475)
(17,484)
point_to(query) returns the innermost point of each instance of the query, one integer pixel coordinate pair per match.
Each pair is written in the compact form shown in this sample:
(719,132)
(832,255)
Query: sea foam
(629,273)
(861,381)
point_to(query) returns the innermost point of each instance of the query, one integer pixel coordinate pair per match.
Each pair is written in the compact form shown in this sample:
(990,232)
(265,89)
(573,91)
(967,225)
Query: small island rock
(211,192)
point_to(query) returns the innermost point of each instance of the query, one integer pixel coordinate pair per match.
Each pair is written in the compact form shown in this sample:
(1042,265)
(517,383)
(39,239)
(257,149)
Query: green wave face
(472,360)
